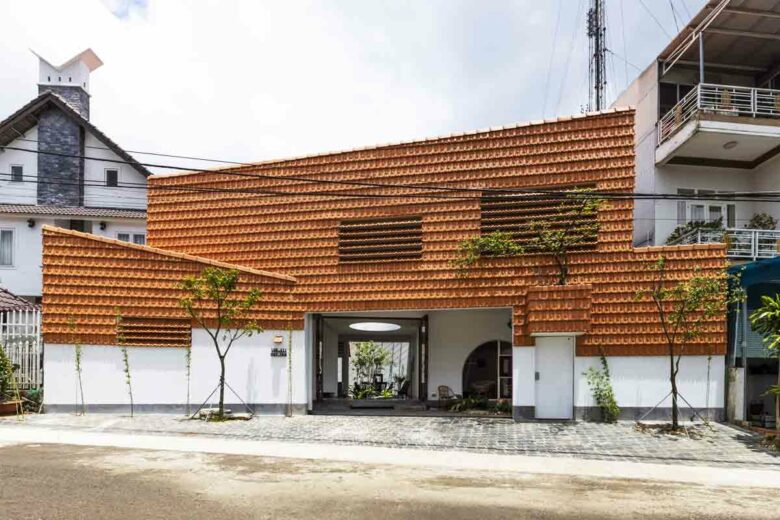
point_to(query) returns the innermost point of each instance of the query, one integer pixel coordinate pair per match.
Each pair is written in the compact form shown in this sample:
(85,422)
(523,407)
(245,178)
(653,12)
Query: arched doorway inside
(487,371)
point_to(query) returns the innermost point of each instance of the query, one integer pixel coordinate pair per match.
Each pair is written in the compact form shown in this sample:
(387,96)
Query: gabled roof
(11,302)
(26,118)
(72,211)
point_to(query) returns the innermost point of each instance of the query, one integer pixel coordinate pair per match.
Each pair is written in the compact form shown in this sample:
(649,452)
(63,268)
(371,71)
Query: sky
(257,80)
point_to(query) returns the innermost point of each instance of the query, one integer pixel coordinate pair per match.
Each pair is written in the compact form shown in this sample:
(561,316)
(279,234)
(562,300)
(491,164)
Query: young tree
(368,359)
(683,307)
(211,302)
(573,224)
(766,321)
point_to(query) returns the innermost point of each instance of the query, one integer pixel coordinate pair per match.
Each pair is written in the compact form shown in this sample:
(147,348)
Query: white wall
(159,374)
(95,172)
(20,192)
(642,381)
(523,376)
(24,278)
(669,178)
(454,335)
(638,381)
(330,354)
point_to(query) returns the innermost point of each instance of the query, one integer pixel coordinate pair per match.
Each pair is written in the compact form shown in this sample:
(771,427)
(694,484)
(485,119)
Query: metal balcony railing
(721,100)
(752,244)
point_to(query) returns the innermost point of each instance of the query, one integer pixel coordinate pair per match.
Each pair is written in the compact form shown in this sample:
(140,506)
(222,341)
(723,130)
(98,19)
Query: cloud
(255,80)
(124,9)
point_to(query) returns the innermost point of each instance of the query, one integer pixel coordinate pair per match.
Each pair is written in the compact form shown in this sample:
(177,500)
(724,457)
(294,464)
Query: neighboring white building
(59,181)
(708,123)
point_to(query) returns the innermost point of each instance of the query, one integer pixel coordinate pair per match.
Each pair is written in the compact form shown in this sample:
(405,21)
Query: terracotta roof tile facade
(89,280)
(291,226)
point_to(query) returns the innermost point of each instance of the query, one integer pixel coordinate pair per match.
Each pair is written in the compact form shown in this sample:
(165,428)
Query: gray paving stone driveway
(721,445)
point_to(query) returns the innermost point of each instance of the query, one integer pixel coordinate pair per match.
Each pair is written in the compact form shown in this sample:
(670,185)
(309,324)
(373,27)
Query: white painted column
(523,380)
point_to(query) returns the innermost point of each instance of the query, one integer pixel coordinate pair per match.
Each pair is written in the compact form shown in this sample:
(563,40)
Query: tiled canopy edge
(89,281)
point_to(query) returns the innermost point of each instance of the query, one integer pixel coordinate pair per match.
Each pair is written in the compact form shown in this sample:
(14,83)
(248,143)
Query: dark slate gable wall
(60,178)
(76,97)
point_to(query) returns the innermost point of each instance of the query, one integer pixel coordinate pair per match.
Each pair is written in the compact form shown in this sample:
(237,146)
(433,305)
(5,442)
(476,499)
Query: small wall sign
(278,352)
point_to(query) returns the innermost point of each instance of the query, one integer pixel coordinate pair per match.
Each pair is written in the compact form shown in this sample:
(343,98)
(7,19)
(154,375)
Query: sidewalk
(722,445)
(13,432)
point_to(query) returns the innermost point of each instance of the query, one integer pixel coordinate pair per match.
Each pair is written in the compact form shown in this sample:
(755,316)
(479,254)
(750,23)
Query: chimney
(70,80)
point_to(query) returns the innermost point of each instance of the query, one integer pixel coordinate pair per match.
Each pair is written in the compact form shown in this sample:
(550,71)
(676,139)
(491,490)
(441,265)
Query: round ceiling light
(729,145)
(374,326)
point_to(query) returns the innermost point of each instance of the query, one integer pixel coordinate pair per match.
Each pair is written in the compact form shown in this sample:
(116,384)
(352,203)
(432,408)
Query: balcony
(721,126)
(741,244)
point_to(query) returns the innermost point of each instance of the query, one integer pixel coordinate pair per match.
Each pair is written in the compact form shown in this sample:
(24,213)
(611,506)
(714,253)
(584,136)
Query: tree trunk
(563,269)
(222,387)
(673,381)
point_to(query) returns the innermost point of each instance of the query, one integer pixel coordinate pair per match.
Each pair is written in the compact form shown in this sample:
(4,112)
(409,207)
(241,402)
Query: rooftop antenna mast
(597,32)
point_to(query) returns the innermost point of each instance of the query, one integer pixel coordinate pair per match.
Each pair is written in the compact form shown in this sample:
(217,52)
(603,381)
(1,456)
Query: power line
(657,22)
(621,58)
(623,33)
(674,16)
(568,55)
(552,56)
(155,154)
(527,194)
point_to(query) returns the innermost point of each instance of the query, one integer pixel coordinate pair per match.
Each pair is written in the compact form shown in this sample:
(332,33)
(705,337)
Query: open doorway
(369,361)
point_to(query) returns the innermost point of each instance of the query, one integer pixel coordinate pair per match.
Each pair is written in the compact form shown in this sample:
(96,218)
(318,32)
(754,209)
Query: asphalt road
(67,482)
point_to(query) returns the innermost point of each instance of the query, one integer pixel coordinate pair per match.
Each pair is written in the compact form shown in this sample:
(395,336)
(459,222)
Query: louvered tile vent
(521,215)
(136,331)
(389,238)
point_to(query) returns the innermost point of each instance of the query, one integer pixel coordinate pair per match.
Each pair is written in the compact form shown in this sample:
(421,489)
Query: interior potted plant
(10,404)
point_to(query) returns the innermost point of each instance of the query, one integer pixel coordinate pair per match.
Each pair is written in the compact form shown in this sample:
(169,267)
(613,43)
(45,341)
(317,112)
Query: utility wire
(623,33)
(481,190)
(568,56)
(533,194)
(674,16)
(657,22)
(621,58)
(552,56)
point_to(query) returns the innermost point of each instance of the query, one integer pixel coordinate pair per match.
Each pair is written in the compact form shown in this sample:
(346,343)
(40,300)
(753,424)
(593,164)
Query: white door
(554,377)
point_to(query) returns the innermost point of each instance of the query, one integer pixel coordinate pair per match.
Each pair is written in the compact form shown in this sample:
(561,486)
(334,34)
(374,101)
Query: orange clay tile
(290,226)
(89,281)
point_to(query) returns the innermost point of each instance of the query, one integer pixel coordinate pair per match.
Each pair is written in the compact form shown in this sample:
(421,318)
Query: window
(6,247)
(112,177)
(682,206)
(731,215)
(716,213)
(697,212)
(388,238)
(85,226)
(17,173)
(135,238)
